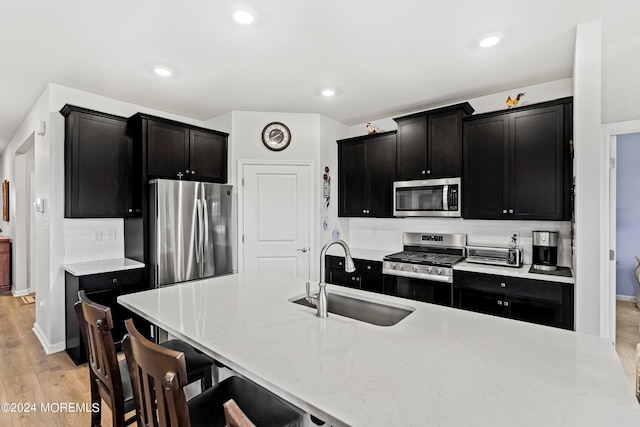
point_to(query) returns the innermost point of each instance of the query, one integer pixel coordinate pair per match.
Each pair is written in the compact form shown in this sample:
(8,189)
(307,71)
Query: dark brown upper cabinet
(366,171)
(100,166)
(430,143)
(176,150)
(517,163)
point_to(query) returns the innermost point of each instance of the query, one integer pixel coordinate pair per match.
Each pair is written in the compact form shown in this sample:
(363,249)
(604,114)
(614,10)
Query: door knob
(302,249)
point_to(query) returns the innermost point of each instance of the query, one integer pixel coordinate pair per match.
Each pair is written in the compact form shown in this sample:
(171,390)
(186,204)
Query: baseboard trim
(48,349)
(20,293)
(626,298)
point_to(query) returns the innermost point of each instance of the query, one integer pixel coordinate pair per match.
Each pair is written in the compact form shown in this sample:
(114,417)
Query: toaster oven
(495,255)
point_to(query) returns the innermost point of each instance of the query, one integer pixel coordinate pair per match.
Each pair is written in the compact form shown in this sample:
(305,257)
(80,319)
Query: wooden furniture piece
(158,377)
(517,163)
(366,171)
(110,380)
(5,263)
(234,416)
(430,143)
(535,301)
(101,166)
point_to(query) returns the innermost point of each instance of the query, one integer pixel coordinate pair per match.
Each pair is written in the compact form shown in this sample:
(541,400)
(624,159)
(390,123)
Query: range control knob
(429,270)
(402,267)
(394,266)
(438,271)
(415,269)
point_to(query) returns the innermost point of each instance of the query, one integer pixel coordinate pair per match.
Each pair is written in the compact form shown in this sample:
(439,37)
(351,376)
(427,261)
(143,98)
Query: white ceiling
(386,57)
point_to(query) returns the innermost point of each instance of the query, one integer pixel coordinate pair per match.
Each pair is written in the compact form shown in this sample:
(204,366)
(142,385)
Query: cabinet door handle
(302,249)
(506,303)
(130,210)
(114,280)
(504,211)
(424,172)
(193,172)
(499,302)
(187,171)
(503,285)
(510,210)
(428,172)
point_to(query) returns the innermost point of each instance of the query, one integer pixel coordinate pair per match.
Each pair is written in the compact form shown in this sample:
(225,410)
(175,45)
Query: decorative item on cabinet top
(512,102)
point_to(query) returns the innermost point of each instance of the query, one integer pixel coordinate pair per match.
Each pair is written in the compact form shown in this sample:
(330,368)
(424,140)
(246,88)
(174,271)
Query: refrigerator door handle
(198,240)
(205,217)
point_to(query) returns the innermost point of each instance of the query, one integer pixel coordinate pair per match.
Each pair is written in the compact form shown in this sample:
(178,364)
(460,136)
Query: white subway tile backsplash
(93,239)
(386,233)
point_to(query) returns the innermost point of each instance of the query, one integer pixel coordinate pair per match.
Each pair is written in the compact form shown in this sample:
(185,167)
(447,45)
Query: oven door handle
(411,274)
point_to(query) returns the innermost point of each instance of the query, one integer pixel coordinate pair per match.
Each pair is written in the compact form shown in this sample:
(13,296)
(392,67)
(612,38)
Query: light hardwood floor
(28,375)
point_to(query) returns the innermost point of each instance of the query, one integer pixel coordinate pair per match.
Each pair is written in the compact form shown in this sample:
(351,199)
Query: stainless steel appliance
(424,270)
(430,197)
(545,250)
(495,255)
(190,231)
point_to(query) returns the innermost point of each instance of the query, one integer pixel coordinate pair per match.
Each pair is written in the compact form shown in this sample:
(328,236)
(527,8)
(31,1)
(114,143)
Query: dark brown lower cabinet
(368,274)
(104,289)
(534,301)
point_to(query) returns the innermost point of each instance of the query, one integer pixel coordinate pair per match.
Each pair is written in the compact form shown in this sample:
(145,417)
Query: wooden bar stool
(158,378)
(109,377)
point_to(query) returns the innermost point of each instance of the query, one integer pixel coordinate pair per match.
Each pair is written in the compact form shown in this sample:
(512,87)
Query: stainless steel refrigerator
(190,231)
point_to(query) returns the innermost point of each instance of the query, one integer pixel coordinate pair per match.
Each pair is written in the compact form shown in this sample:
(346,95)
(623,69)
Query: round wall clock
(276,136)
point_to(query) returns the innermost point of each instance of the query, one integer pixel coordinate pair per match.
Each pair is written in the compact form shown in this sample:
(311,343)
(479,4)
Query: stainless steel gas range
(424,269)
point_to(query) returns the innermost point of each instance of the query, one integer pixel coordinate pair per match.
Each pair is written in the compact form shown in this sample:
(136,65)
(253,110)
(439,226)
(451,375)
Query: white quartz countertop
(437,367)
(101,266)
(522,272)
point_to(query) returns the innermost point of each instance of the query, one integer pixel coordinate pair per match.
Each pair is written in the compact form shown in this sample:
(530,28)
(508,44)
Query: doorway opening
(24,243)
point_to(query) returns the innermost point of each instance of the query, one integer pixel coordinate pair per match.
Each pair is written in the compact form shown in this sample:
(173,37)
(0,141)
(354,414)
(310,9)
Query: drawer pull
(114,280)
(503,285)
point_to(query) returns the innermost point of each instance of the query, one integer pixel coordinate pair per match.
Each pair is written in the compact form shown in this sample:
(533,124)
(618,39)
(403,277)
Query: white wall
(330,132)
(620,82)
(587,114)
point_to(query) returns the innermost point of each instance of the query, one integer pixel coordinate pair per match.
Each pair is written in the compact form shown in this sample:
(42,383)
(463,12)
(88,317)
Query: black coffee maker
(545,250)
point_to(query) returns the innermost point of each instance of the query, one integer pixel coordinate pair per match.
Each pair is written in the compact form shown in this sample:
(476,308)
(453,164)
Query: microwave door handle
(445,198)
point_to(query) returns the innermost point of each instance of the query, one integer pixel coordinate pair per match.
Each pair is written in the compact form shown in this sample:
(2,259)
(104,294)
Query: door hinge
(243,182)
(612,163)
(243,238)
(612,255)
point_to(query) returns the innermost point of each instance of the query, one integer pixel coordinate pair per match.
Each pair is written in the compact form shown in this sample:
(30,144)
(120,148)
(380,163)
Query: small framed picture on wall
(5,200)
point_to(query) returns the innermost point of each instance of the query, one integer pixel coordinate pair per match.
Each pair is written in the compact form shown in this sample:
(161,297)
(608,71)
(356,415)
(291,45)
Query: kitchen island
(437,367)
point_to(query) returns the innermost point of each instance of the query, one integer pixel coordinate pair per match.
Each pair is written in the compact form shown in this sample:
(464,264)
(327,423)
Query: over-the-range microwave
(427,197)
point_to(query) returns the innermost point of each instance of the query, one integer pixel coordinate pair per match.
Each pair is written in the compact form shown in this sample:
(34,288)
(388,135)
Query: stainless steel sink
(375,313)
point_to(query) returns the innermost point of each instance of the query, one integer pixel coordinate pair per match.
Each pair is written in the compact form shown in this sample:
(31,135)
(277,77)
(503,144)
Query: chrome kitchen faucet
(320,299)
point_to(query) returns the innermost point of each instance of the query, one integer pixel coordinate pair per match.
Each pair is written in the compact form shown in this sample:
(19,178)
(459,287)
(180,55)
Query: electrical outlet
(111,234)
(515,238)
(97,236)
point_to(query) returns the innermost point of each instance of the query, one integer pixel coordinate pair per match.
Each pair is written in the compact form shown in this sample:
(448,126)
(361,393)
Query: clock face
(276,136)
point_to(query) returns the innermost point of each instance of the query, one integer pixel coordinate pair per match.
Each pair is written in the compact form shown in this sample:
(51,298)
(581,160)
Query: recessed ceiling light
(491,39)
(163,71)
(328,92)
(243,16)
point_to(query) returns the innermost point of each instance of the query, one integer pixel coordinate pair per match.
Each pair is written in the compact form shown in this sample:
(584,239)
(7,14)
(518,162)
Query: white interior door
(277,218)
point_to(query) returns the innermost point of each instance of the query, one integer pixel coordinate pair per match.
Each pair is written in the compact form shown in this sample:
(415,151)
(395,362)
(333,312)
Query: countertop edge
(101,266)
